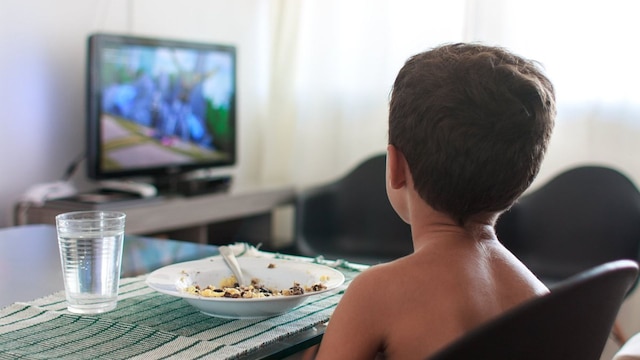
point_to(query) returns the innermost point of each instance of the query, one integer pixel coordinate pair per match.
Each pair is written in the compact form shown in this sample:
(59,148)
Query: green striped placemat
(149,325)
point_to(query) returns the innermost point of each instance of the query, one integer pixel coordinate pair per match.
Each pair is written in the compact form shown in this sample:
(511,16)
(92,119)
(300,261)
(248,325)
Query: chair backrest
(352,218)
(582,218)
(573,321)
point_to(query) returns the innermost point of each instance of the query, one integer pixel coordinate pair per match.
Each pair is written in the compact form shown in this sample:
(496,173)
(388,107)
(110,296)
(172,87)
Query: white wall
(41,97)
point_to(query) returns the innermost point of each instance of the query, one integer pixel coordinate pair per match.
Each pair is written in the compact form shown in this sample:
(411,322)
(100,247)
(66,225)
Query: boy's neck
(434,227)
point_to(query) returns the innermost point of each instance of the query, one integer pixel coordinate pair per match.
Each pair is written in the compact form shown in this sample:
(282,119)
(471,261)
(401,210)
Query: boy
(468,129)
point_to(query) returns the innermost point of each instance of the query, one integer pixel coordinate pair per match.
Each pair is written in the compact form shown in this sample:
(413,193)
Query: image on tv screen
(165,106)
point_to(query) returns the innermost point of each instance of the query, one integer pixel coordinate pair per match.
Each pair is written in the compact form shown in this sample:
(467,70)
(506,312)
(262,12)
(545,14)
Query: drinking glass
(90,245)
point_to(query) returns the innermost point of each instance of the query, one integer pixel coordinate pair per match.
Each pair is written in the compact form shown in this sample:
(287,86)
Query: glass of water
(91,255)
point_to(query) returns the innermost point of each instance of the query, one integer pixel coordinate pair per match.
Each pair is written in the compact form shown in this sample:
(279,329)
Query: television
(159,109)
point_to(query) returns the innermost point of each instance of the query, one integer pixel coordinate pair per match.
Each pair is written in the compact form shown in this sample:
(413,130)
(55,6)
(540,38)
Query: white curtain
(334,61)
(590,50)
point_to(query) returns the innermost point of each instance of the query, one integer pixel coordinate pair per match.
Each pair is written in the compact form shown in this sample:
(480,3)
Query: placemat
(150,325)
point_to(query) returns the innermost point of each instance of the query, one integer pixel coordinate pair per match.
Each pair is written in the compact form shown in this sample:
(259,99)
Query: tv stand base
(194,186)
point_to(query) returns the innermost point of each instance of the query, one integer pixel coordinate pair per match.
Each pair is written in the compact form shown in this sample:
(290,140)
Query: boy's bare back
(418,304)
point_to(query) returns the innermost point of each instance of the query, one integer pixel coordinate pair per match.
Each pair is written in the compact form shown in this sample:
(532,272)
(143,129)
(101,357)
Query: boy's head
(473,123)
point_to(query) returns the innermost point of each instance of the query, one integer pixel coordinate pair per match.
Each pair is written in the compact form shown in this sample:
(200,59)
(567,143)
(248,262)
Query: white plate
(173,279)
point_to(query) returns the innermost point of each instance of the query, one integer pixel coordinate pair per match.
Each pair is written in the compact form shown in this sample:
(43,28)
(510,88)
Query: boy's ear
(396,167)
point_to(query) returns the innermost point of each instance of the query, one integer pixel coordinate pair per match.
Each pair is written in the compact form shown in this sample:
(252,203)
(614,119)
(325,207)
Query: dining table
(146,324)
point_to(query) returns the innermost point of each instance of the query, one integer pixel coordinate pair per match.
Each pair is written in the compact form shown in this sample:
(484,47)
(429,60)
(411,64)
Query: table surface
(31,283)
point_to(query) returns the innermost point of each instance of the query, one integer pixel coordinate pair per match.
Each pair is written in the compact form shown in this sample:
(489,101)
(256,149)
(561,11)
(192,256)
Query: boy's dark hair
(473,123)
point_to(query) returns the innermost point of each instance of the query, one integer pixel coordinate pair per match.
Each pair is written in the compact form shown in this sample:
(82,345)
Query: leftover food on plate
(230,288)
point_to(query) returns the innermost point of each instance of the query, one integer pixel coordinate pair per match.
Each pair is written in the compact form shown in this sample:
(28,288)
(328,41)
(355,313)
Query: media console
(243,214)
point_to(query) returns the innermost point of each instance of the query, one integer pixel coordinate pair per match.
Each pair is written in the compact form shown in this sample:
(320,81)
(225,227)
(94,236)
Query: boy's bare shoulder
(416,293)
(405,277)
(412,268)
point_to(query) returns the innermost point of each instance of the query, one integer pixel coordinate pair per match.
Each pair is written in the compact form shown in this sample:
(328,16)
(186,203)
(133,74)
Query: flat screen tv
(159,108)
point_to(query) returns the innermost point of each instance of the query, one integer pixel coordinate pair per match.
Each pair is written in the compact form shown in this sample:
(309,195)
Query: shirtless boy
(468,129)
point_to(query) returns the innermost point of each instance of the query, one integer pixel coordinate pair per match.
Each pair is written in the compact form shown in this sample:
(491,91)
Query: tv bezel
(159,173)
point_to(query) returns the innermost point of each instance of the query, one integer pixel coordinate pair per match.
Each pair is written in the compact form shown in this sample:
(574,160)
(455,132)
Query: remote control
(138,188)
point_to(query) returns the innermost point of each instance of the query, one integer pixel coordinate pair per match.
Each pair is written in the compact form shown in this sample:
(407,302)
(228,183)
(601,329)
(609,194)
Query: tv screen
(158,107)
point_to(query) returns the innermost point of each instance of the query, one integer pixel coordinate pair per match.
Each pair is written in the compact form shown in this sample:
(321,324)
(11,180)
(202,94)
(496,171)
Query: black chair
(573,321)
(351,218)
(584,217)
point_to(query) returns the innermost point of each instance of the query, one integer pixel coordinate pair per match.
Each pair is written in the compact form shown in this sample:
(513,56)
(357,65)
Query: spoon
(230,258)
